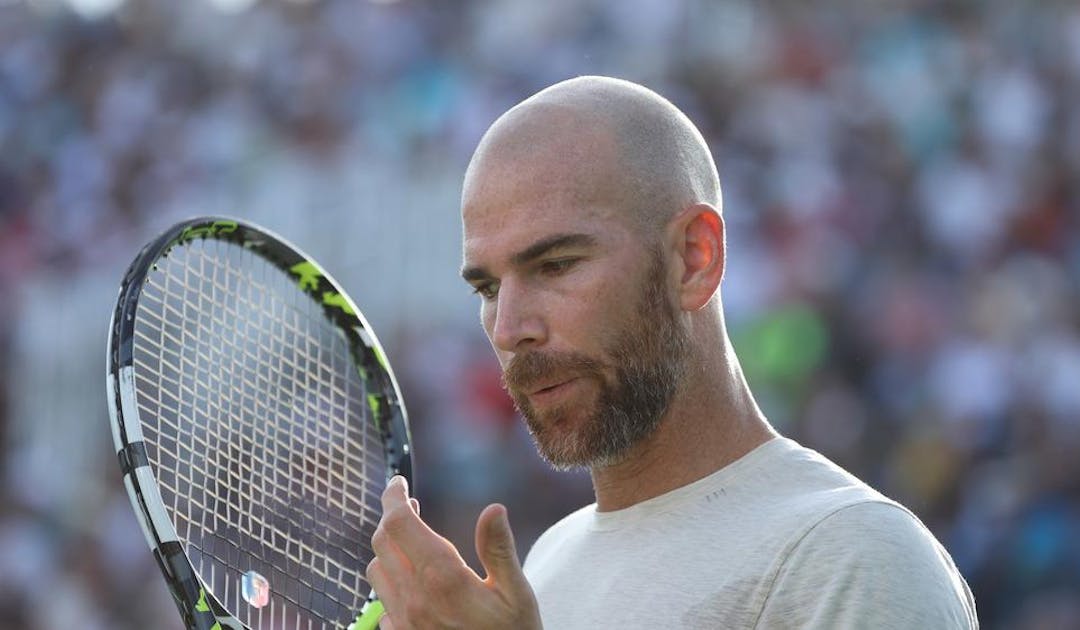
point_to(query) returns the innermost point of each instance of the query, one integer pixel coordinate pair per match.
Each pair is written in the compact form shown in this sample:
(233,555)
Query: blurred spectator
(902,185)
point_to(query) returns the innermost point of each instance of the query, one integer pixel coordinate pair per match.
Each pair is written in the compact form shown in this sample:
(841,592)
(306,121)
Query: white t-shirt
(781,538)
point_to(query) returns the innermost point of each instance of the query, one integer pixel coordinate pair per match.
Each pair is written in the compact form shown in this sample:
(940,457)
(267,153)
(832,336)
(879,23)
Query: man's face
(646,355)
(576,307)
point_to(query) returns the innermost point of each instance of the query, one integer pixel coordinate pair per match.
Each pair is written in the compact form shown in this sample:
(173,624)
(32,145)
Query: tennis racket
(257,422)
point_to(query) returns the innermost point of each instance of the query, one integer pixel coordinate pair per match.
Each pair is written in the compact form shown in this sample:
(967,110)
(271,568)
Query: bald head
(614,136)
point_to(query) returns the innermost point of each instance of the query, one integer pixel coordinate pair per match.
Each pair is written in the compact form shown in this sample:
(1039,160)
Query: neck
(712,421)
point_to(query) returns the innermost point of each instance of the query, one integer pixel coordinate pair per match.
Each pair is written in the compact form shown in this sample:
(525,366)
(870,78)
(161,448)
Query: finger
(495,547)
(396,493)
(381,584)
(415,504)
(395,564)
(385,623)
(402,524)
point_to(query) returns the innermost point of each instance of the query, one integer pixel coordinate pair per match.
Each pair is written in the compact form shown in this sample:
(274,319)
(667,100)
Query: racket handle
(369,616)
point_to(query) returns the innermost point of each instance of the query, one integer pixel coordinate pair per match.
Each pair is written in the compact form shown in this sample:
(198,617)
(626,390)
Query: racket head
(253,445)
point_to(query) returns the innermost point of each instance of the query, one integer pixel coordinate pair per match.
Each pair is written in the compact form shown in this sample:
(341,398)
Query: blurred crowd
(901,187)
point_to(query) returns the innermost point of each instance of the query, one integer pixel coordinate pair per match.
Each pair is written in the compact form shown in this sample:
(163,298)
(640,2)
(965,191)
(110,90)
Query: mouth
(553,391)
(548,387)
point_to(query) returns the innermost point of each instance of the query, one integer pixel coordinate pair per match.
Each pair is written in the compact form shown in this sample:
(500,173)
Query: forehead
(514,198)
(494,234)
(524,185)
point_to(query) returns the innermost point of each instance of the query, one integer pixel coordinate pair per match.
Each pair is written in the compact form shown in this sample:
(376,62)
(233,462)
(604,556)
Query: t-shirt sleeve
(868,565)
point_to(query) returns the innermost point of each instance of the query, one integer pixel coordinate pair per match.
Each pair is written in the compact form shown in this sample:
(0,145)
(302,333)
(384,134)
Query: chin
(558,438)
(573,456)
(568,445)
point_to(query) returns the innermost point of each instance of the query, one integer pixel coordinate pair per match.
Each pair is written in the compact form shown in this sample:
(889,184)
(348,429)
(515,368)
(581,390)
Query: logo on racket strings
(255,589)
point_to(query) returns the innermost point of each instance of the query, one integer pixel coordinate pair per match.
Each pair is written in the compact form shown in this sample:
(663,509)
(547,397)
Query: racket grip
(369,616)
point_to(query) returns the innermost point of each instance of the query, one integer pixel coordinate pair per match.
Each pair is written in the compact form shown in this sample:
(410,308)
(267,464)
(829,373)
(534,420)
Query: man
(593,235)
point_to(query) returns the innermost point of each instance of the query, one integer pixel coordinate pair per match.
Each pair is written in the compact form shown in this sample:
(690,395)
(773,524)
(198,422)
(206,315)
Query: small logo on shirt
(715,495)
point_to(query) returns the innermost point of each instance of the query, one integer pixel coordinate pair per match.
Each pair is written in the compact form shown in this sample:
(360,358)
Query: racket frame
(198,606)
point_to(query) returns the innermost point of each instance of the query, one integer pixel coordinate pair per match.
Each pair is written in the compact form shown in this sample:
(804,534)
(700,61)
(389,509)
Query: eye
(486,290)
(557,266)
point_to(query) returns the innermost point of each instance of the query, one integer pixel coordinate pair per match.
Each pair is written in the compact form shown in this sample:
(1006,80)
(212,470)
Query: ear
(698,235)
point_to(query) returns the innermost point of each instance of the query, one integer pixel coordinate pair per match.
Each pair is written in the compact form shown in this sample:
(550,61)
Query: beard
(648,356)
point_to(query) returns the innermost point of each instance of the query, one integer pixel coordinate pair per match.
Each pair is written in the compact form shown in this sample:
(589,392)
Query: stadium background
(902,189)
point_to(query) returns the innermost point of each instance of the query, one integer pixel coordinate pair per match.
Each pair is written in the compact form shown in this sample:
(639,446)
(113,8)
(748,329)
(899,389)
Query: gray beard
(649,356)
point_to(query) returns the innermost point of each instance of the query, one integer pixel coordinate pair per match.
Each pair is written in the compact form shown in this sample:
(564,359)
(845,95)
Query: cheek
(487,317)
(487,322)
(597,313)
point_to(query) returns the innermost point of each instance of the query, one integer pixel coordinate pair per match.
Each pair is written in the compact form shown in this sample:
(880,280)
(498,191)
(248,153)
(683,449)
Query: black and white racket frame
(198,606)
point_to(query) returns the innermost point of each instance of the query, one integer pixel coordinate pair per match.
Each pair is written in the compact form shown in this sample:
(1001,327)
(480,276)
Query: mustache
(526,370)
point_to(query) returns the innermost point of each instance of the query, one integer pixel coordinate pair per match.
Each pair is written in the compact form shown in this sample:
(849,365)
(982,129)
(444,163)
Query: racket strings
(254,419)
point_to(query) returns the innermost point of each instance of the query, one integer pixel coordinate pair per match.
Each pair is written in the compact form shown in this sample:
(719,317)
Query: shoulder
(870,529)
(871,562)
(784,470)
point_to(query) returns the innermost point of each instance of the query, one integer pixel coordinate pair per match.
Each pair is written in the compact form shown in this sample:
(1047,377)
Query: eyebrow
(534,251)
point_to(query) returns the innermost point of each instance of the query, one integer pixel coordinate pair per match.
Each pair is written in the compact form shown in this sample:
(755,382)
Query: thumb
(495,547)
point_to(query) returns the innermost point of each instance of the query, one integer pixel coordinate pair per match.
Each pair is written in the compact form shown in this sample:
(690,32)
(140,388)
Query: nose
(515,320)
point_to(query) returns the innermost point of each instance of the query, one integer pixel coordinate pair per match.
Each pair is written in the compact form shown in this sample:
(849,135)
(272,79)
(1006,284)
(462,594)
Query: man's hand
(424,583)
